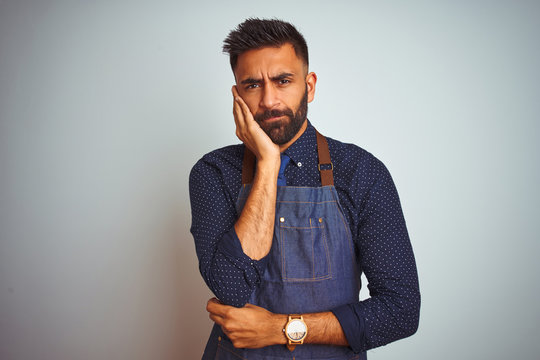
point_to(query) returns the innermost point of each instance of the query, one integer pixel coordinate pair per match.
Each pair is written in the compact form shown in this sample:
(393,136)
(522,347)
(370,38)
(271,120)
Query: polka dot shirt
(372,209)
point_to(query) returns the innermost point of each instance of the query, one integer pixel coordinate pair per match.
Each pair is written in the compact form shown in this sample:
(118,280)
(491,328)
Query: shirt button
(281,219)
(299,164)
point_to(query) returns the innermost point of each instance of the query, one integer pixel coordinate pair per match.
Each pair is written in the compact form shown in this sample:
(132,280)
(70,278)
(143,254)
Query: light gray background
(106,105)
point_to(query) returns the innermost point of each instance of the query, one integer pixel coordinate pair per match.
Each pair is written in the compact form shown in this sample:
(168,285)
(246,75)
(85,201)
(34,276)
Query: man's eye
(284,81)
(252,86)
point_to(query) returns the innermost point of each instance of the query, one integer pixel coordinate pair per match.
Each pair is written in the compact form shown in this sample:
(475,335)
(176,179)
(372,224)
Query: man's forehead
(268,61)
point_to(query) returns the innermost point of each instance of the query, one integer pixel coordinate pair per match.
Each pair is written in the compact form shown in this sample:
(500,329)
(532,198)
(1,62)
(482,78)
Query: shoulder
(218,173)
(352,161)
(223,160)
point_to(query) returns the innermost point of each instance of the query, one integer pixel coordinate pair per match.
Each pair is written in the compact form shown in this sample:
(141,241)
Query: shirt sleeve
(386,257)
(229,273)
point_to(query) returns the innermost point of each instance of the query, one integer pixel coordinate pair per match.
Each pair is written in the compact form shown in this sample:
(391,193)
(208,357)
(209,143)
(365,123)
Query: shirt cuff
(230,246)
(351,319)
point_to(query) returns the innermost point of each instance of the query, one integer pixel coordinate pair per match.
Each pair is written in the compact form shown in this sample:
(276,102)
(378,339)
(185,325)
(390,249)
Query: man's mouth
(273,119)
(271,116)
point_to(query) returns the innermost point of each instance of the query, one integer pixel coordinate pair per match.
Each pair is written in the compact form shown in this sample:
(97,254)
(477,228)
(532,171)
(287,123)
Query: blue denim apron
(311,266)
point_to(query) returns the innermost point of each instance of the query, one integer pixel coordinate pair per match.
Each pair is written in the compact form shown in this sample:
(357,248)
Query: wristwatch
(295,330)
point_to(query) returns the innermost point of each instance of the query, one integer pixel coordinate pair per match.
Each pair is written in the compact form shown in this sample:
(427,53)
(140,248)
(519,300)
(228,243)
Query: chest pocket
(304,249)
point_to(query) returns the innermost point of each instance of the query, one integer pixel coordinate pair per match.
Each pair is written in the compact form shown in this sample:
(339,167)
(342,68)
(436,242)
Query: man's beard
(282,131)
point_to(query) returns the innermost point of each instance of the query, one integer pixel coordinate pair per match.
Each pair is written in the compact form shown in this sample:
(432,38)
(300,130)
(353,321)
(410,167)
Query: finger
(238,114)
(239,122)
(214,306)
(216,318)
(239,118)
(214,300)
(211,305)
(245,109)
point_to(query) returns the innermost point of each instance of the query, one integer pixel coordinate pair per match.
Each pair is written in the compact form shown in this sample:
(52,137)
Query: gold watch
(295,331)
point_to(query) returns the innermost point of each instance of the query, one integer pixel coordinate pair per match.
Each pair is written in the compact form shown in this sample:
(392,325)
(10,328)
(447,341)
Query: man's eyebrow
(278,77)
(251,81)
(281,76)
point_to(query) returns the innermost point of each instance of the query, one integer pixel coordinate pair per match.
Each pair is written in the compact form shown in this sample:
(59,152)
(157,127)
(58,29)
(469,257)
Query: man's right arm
(255,227)
(231,251)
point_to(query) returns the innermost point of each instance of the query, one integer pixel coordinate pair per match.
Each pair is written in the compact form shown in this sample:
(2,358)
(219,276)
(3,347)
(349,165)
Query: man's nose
(269,98)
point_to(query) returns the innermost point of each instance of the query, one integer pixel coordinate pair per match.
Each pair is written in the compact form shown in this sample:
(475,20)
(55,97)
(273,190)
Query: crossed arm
(254,327)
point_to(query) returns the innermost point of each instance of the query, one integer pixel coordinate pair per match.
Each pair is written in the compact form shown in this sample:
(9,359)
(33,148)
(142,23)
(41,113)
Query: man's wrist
(280,320)
(269,164)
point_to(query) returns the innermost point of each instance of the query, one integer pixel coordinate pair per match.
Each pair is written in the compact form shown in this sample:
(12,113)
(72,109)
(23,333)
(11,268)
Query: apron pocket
(304,250)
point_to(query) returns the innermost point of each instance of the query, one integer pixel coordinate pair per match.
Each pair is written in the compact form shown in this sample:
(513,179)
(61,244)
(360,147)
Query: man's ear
(311,81)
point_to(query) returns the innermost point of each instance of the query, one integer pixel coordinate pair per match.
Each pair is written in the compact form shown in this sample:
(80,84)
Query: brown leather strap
(325,163)
(248,167)
(327,173)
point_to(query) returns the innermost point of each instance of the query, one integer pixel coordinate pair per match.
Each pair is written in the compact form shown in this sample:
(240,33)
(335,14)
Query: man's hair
(257,33)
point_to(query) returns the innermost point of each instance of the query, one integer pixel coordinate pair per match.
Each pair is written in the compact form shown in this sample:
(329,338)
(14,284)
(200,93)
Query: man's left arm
(387,259)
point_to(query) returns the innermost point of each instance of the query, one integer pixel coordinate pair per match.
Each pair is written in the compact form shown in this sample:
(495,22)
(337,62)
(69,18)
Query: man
(285,223)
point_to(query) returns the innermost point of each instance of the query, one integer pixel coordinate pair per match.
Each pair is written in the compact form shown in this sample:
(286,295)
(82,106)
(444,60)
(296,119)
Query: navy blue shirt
(372,209)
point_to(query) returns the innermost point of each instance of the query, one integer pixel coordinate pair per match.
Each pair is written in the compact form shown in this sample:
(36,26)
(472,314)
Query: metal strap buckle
(331,166)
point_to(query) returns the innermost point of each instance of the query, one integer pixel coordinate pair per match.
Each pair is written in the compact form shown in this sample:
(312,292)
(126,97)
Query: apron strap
(327,175)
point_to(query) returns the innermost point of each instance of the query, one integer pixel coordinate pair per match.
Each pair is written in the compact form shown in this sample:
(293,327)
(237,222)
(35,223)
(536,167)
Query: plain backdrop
(106,105)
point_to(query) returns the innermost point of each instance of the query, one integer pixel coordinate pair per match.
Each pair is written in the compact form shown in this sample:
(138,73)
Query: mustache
(268,114)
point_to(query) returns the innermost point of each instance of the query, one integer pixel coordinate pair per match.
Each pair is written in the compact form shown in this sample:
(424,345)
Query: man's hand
(250,326)
(251,134)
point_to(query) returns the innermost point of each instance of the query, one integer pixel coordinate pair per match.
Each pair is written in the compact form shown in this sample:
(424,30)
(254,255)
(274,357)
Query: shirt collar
(303,147)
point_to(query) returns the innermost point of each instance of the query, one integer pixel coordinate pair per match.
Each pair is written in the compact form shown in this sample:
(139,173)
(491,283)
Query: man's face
(276,87)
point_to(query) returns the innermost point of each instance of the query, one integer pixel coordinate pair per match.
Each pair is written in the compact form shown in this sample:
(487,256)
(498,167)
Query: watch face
(296,330)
